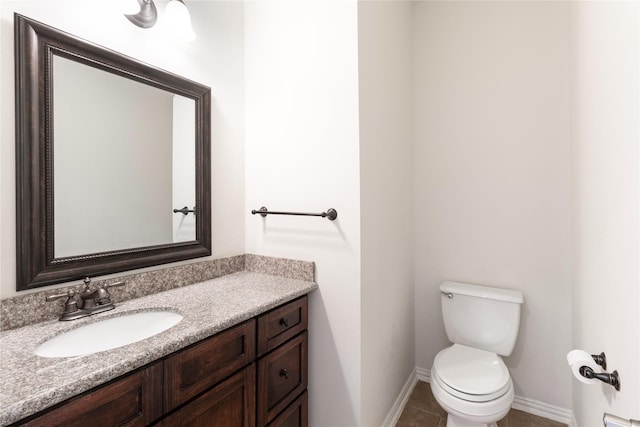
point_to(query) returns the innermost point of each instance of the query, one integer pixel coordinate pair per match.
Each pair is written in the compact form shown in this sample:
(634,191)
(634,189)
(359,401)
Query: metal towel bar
(331,214)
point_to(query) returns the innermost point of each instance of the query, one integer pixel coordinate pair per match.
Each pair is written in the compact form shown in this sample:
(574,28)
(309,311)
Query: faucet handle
(113,285)
(68,294)
(70,306)
(102,294)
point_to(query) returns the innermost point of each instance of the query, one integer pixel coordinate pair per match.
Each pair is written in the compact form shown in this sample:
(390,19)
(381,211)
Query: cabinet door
(296,414)
(282,377)
(203,365)
(131,401)
(229,404)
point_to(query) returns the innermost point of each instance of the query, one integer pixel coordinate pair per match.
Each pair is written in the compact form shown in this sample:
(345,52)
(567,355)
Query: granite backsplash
(23,310)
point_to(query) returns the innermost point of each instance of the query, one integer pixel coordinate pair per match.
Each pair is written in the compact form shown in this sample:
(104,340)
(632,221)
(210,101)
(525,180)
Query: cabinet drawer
(282,376)
(133,400)
(197,368)
(277,326)
(231,403)
(296,414)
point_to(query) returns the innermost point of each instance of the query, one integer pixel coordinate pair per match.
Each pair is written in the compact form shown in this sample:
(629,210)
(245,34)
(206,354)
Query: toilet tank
(482,317)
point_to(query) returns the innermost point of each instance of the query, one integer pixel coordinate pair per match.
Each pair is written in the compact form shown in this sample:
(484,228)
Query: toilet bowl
(473,386)
(469,379)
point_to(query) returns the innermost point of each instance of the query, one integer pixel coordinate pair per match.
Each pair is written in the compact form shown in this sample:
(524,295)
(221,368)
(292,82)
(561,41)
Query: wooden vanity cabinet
(200,368)
(195,369)
(253,374)
(132,401)
(281,324)
(296,414)
(282,365)
(231,403)
(282,377)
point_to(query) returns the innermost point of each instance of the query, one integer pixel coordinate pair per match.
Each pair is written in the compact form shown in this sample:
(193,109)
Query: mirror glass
(112,160)
(115,186)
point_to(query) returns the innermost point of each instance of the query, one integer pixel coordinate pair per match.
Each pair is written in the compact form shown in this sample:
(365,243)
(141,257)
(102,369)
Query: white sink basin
(108,334)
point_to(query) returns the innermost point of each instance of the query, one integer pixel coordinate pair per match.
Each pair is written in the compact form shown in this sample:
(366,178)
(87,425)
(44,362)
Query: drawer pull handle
(284,373)
(284,322)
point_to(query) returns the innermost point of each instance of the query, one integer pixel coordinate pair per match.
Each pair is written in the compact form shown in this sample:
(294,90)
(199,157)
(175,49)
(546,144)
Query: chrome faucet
(90,302)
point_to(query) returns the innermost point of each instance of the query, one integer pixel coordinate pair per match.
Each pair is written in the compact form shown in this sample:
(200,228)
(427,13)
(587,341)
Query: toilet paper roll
(579,358)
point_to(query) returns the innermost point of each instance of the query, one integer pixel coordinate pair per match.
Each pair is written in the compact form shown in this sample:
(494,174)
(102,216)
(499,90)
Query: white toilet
(469,379)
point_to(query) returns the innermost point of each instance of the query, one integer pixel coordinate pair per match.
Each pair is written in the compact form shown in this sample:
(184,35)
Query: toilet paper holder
(587,367)
(608,378)
(612,378)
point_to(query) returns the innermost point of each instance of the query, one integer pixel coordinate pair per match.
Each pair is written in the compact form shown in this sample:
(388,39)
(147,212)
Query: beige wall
(141,183)
(606,188)
(386,200)
(302,155)
(492,175)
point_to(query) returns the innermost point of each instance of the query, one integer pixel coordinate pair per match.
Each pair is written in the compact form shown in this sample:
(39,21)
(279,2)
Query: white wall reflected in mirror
(118,163)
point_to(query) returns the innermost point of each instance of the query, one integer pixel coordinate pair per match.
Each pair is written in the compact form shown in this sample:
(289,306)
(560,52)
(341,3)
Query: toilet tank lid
(481,291)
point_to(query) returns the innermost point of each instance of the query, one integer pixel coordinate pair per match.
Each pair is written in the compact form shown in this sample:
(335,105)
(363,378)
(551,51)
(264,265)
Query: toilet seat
(471,374)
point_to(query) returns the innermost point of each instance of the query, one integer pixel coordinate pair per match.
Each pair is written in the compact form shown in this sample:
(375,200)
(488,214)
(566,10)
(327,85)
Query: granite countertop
(30,383)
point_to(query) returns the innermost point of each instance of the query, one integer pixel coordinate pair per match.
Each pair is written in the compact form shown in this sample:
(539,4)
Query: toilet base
(453,421)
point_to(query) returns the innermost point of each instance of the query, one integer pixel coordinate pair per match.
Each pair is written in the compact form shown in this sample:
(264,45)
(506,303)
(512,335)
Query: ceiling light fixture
(176,16)
(147,16)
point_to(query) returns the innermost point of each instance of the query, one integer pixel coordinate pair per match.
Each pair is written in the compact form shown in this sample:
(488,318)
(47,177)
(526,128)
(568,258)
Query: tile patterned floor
(422,410)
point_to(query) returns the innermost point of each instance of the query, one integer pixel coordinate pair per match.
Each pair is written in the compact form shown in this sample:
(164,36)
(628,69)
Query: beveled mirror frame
(35,45)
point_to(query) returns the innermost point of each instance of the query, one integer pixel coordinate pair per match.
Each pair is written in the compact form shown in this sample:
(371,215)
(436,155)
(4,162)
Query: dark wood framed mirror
(83,208)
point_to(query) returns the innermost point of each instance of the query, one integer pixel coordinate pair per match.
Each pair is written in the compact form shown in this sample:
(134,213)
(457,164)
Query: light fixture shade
(178,20)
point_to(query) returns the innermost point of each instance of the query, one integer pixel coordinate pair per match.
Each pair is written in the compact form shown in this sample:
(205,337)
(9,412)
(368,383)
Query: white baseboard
(401,401)
(542,409)
(520,403)
(423,374)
